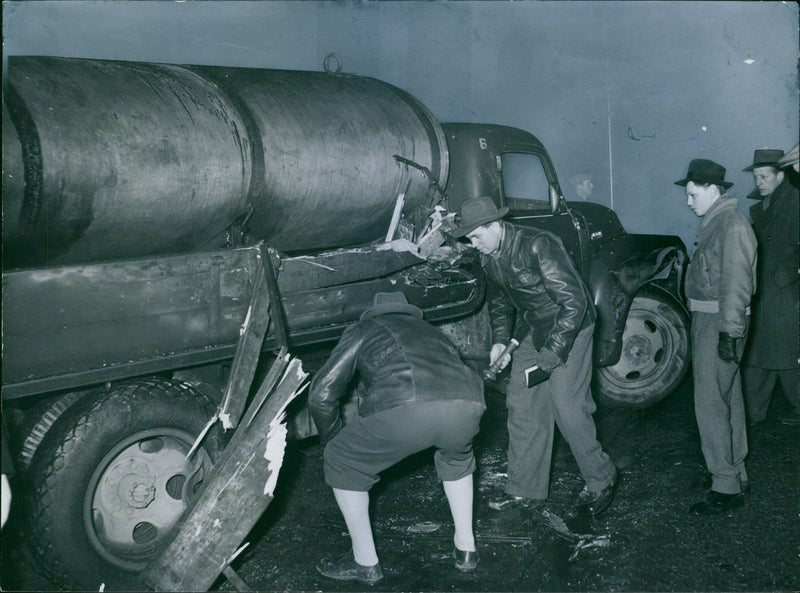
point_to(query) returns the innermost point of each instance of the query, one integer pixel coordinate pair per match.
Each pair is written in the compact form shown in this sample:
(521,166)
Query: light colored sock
(459,495)
(355,510)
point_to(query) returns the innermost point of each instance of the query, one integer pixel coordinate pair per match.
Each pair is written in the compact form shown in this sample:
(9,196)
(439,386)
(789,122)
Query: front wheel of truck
(655,354)
(110,479)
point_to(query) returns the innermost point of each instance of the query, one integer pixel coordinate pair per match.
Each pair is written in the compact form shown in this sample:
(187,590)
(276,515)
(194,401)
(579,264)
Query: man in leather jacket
(720,282)
(416,394)
(532,284)
(773,349)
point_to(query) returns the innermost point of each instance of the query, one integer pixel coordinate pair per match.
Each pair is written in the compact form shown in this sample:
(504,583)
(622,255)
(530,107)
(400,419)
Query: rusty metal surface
(77,325)
(119,160)
(327,141)
(106,160)
(72,319)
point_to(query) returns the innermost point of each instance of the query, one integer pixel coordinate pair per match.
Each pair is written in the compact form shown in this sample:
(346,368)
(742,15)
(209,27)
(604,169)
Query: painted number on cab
(482,143)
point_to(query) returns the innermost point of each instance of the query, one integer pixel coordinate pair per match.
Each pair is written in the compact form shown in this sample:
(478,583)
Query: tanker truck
(137,202)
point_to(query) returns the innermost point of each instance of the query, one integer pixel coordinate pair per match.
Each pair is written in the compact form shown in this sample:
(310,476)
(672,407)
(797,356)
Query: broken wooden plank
(275,374)
(248,350)
(235,495)
(235,580)
(276,310)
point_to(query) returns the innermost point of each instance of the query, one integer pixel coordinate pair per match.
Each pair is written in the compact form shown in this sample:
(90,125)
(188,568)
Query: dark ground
(653,544)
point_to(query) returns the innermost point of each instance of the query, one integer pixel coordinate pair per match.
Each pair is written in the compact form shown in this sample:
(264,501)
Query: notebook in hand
(534,375)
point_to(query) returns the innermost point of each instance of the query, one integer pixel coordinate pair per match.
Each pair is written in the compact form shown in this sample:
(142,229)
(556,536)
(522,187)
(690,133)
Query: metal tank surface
(107,160)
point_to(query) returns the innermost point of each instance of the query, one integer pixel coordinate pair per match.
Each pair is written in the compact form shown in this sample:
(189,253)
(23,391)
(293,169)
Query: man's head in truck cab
(478,221)
(582,184)
(704,183)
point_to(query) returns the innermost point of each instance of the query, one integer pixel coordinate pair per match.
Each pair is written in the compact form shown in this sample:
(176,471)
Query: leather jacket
(532,277)
(722,268)
(399,360)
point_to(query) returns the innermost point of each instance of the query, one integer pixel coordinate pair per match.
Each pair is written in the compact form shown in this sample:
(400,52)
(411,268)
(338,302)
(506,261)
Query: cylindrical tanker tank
(126,159)
(118,160)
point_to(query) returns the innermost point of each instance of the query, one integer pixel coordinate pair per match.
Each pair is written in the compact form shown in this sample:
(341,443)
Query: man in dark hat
(417,394)
(533,283)
(720,281)
(772,353)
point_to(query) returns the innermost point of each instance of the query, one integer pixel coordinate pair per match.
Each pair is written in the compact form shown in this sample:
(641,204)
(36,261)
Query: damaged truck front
(136,201)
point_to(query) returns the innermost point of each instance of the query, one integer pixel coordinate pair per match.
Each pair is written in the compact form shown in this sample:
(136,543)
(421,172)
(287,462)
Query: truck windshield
(525,183)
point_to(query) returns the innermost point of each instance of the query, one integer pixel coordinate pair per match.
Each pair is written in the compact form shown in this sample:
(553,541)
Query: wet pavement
(646,540)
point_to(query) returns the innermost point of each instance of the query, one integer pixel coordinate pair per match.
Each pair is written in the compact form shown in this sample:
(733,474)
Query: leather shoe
(717,503)
(345,568)
(465,561)
(507,501)
(597,502)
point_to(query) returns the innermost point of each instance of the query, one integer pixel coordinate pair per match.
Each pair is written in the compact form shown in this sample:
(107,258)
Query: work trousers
(758,386)
(719,406)
(565,400)
(367,445)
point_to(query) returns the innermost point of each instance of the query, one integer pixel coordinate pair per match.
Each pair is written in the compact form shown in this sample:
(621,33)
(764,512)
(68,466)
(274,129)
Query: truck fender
(619,269)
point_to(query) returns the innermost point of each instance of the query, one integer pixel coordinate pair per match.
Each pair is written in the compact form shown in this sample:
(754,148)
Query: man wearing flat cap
(720,281)
(773,351)
(533,285)
(417,394)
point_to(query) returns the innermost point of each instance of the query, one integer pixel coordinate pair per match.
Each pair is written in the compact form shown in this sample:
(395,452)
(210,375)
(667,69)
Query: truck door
(526,190)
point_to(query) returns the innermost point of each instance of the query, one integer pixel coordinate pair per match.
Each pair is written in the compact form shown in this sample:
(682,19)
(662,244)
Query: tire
(109,481)
(37,422)
(655,354)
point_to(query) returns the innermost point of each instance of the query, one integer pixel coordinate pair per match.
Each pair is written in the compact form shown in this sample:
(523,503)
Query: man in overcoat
(772,352)
(720,281)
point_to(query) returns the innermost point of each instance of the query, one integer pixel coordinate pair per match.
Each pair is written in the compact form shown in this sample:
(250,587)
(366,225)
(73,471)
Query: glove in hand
(495,353)
(726,348)
(548,360)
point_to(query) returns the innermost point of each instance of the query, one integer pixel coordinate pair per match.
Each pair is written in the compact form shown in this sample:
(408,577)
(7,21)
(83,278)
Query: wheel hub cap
(131,484)
(140,495)
(638,349)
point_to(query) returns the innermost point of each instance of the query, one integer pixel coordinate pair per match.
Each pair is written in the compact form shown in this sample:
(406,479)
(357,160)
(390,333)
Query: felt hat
(765,157)
(790,158)
(476,212)
(390,302)
(703,171)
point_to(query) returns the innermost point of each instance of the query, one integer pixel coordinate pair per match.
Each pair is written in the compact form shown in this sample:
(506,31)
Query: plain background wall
(628,92)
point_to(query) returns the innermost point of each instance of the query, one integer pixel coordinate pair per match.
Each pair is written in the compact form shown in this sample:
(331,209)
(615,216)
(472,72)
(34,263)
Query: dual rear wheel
(110,479)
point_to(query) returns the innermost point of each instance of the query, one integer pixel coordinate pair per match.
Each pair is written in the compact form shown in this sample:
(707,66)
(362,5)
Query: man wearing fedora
(773,351)
(532,282)
(720,281)
(417,394)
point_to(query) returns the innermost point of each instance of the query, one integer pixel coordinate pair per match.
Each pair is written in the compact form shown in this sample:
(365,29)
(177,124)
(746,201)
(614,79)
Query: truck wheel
(110,480)
(37,422)
(655,354)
